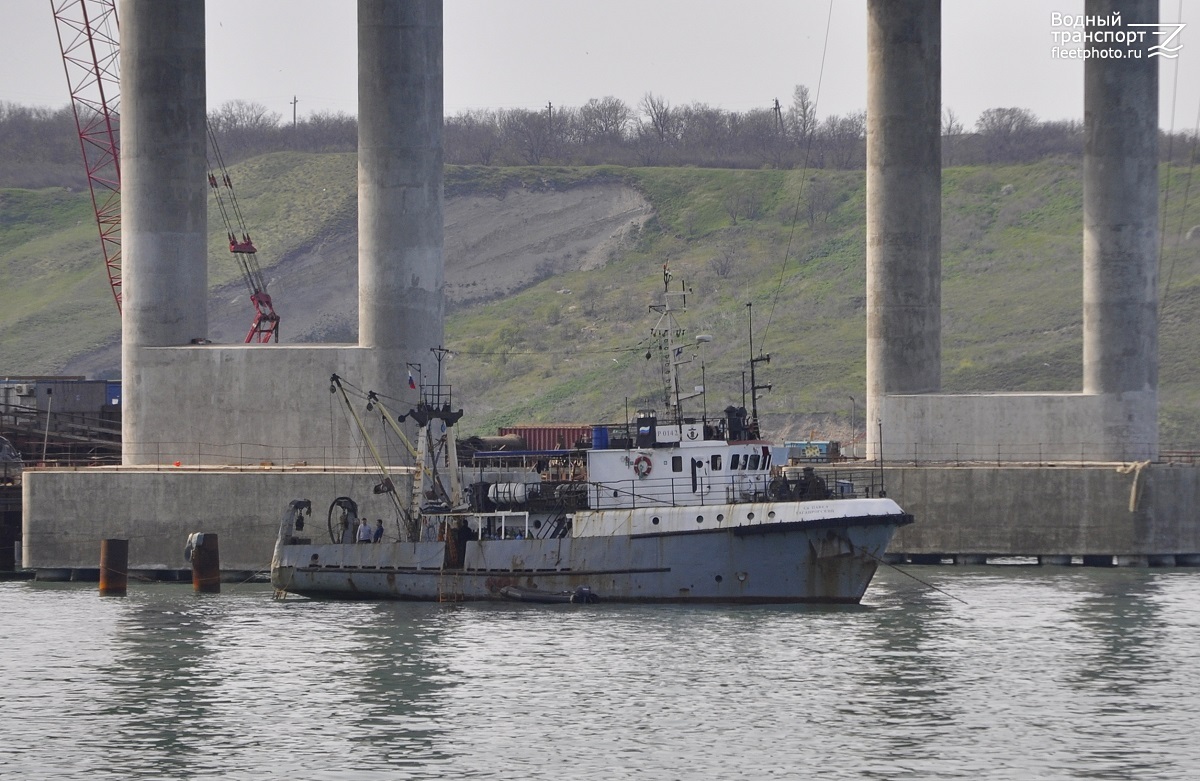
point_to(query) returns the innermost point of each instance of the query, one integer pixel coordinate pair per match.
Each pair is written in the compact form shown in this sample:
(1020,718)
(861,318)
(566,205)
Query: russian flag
(411,382)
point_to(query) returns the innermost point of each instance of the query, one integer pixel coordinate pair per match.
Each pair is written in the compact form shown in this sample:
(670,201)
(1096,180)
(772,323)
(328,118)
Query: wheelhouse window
(753,461)
(676,463)
(715,462)
(734,460)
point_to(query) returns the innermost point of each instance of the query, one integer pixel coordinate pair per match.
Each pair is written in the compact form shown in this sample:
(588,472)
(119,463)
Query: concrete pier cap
(195,403)
(191,405)
(1114,416)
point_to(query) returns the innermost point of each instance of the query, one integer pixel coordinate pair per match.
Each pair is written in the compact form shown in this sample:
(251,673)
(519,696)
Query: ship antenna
(754,386)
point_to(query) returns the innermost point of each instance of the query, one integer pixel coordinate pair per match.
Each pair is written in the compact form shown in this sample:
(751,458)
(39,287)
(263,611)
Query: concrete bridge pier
(400,183)
(1120,235)
(904,182)
(164,192)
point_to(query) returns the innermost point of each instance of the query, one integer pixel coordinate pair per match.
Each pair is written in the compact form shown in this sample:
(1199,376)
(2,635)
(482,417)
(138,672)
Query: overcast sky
(526,53)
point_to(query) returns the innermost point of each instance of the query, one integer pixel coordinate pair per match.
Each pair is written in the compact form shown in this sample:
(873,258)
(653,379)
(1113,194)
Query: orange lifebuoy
(642,467)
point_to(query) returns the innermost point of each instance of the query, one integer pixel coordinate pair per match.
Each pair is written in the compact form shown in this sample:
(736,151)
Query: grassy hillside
(572,347)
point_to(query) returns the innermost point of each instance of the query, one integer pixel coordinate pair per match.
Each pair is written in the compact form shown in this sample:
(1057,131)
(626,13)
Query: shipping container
(551,436)
(813,450)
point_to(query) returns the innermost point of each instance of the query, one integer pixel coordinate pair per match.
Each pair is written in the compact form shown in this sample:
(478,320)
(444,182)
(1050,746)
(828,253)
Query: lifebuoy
(642,467)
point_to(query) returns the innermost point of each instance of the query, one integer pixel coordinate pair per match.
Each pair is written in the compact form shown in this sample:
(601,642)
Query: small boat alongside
(679,509)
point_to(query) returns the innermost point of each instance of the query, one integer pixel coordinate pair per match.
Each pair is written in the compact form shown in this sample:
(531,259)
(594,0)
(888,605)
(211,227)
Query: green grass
(1011,295)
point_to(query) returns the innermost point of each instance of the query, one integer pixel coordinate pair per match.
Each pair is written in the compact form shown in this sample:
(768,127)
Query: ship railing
(493,525)
(790,484)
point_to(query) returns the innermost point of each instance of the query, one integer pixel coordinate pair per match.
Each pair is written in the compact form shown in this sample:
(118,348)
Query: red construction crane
(88,35)
(265,326)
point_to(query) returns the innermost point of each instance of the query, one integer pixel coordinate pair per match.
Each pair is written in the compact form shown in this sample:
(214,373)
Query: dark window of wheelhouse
(715,462)
(676,463)
(753,461)
(733,461)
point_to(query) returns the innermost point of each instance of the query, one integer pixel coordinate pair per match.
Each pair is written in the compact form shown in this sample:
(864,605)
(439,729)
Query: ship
(675,508)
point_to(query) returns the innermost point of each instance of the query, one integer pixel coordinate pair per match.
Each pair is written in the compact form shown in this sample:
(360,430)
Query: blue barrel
(599,437)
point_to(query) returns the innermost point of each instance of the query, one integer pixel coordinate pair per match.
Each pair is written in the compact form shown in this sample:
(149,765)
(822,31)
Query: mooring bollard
(114,567)
(206,563)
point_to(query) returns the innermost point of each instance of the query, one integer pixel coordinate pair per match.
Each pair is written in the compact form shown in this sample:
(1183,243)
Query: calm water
(1043,673)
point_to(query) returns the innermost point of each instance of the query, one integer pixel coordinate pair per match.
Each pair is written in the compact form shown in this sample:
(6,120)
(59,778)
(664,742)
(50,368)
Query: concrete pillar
(164,191)
(400,265)
(904,180)
(1120,234)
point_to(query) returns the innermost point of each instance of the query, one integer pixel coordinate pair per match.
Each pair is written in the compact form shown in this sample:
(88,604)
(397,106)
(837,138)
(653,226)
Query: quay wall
(1116,509)
(68,512)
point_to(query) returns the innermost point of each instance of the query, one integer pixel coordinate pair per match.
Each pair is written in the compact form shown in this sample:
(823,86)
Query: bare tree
(528,132)
(605,120)
(733,202)
(244,128)
(660,117)
(326,131)
(819,201)
(801,116)
(758,131)
(708,134)
(724,262)
(844,139)
(473,137)
(952,130)
(1004,132)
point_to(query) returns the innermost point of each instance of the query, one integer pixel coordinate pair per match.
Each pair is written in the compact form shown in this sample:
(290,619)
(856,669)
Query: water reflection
(1042,673)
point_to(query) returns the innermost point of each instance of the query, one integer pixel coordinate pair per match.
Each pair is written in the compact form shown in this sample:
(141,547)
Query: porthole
(699,519)
(537,524)
(771,514)
(719,578)
(720,517)
(654,520)
(749,516)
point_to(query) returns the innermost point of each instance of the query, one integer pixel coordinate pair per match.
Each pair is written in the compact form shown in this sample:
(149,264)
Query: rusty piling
(114,567)
(206,564)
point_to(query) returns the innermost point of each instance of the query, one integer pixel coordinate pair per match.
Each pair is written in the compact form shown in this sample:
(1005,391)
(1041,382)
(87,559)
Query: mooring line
(909,574)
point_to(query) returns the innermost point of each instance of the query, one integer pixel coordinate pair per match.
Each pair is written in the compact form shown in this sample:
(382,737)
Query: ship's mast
(670,334)
(667,331)
(754,386)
